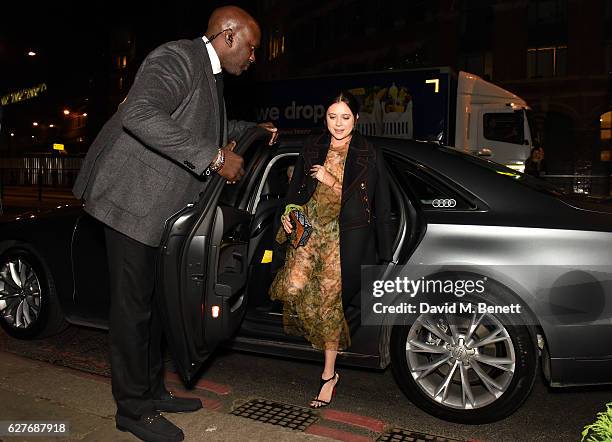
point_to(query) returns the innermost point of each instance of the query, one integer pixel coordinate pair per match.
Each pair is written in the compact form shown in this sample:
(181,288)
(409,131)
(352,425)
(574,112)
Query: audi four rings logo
(444,203)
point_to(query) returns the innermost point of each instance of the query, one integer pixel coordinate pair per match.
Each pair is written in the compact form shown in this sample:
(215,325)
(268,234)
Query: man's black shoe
(170,403)
(151,428)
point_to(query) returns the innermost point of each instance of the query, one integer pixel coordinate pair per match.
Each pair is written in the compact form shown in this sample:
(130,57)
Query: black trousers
(135,326)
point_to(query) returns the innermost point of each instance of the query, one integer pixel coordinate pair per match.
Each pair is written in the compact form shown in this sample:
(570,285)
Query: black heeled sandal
(319,403)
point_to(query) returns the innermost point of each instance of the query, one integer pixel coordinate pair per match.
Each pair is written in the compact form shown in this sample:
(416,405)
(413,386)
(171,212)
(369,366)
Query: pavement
(38,391)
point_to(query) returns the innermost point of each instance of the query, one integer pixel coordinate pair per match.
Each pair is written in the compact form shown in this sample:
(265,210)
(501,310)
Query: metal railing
(35,188)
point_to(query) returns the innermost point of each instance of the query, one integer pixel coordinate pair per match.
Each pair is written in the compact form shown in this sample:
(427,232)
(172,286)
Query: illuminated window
(276,45)
(547,62)
(605,127)
(124,61)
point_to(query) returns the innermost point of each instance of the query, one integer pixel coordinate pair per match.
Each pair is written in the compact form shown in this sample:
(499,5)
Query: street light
(12,134)
(32,54)
(52,125)
(35,124)
(66,112)
(85,114)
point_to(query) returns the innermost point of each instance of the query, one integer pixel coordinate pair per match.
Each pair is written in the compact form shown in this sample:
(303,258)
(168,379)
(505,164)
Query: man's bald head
(230,17)
(235,35)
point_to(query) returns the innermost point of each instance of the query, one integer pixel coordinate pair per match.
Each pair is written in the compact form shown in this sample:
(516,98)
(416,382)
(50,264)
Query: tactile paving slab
(401,435)
(276,413)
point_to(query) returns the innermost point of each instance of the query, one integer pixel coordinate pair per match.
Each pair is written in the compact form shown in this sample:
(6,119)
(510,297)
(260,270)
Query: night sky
(72,41)
(71,37)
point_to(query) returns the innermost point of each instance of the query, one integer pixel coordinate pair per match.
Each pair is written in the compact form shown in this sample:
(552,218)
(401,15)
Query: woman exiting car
(339,183)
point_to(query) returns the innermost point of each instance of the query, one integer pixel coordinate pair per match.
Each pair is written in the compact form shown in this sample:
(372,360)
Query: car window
(276,178)
(511,174)
(430,192)
(506,127)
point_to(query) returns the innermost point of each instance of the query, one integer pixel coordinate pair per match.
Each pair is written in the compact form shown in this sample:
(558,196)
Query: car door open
(201,273)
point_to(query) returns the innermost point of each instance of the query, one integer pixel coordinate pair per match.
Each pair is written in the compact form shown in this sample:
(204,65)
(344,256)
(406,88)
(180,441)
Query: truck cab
(491,122)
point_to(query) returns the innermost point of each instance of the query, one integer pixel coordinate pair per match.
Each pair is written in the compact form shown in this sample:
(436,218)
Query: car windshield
(527,180)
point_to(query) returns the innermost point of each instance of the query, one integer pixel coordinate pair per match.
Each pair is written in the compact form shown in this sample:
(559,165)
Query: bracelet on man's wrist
(218,162)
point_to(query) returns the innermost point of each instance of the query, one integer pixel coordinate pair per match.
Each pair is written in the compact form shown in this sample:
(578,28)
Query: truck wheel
(29,307)
(469,368)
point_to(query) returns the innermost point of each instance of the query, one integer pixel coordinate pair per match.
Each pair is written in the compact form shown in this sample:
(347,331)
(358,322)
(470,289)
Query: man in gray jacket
(148,162)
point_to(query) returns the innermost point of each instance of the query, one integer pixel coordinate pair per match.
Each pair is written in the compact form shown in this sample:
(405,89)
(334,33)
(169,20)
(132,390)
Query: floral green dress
(310,283)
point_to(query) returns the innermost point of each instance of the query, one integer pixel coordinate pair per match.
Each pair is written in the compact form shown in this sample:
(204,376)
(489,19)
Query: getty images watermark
(407,287)
(525,295)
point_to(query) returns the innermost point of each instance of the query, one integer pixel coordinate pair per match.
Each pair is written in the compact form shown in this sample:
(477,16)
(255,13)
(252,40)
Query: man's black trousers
(135,326)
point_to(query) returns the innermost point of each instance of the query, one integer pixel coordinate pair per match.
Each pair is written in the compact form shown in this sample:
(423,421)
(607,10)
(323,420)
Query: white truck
(461,110)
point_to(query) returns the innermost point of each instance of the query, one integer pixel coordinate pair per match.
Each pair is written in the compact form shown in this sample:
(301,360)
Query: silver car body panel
(533,259)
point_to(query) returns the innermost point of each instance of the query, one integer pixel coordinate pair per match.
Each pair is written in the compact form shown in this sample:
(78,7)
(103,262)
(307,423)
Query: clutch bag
(302,228)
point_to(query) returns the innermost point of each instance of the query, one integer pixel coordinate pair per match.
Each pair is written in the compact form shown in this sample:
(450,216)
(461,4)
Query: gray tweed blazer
(146,162)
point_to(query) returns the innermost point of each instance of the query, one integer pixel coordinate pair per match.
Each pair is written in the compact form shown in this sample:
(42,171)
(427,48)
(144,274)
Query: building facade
(556,54)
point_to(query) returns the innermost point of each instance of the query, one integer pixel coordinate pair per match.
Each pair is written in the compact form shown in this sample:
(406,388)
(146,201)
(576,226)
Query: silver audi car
(544,252)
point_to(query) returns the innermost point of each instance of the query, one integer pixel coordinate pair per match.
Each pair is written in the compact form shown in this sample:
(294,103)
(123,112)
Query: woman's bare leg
(329,370)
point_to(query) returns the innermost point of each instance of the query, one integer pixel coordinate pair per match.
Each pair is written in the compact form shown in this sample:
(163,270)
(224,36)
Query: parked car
(214,271)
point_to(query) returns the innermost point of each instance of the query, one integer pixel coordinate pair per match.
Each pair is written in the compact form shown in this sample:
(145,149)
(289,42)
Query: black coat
(365,212)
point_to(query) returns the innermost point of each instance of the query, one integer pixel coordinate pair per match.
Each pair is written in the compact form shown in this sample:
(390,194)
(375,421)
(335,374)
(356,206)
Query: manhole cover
(275,413)
(397,435)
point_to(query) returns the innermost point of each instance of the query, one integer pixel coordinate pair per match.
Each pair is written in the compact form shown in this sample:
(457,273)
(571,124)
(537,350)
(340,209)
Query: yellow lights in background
(85,114)
(37,124)
(122,61)
(605,128)
(276,45)
(58,146)
(12,134)
(31,54)
(22,95)
(66,112)
(435,82)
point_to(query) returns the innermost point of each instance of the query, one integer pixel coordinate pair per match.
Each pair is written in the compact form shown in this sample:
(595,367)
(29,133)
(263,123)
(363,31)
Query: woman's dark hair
(347,98)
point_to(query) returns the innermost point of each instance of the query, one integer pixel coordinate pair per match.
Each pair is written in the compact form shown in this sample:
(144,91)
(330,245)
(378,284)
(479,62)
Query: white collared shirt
(214,58)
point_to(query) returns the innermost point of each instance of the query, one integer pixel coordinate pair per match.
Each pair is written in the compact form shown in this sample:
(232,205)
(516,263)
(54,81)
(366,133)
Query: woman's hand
(322,174)
(286,223)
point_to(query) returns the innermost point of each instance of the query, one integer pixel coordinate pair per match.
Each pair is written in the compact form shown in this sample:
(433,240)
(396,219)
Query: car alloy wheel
(470,368)
(20,293)
(29,307)
(460,362)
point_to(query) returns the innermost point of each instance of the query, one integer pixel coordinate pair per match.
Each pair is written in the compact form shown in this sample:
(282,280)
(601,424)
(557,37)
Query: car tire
(518,344)
(29,307)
